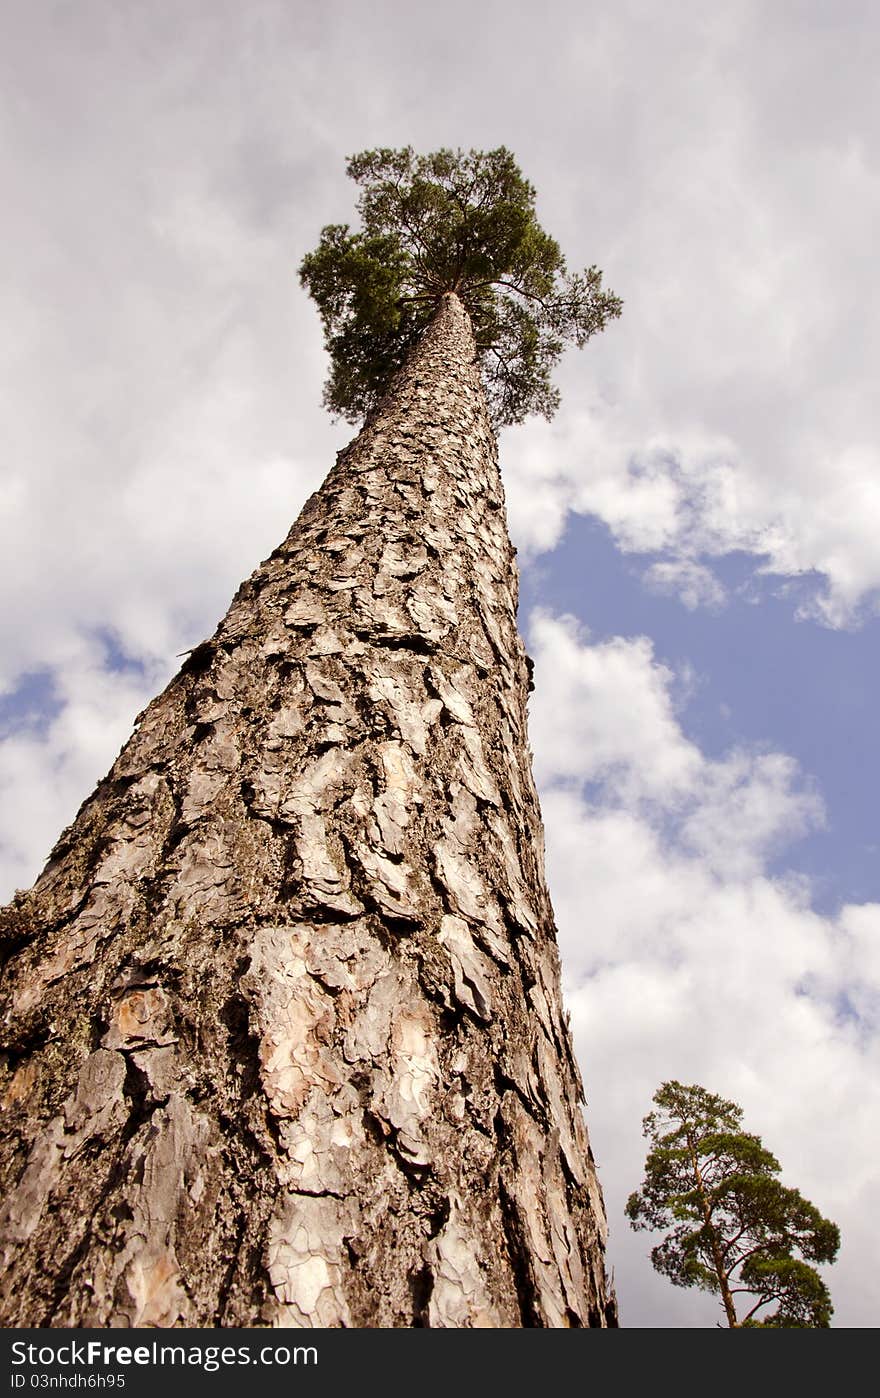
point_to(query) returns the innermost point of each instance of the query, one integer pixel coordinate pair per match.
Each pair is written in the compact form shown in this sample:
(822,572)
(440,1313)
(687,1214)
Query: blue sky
(753,673)
(697,527)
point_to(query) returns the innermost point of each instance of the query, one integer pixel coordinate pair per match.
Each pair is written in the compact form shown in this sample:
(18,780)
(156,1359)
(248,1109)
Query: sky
(697,528)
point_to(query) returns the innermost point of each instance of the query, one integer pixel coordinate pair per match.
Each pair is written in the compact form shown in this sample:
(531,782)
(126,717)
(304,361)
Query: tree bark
(283,1038)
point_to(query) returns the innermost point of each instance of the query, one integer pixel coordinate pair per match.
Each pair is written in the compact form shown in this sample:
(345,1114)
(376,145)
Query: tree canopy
(734,1228)
(450,221)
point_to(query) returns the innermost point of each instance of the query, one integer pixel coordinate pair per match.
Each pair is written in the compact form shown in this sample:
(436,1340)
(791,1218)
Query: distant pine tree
(735,1229)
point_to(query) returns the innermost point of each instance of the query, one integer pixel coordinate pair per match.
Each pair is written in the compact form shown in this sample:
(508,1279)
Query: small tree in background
(734,1228)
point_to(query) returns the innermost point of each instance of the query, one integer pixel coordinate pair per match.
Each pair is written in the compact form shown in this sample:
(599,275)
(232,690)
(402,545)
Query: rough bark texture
(282,1026)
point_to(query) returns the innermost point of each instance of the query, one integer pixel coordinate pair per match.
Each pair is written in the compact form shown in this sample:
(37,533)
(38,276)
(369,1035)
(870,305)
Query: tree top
(451,221)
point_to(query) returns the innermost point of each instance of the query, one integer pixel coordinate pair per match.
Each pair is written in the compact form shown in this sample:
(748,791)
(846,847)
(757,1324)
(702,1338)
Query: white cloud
(684,957)
(695,584)
(732,407)
(605,715)
(48,768)
(745,808)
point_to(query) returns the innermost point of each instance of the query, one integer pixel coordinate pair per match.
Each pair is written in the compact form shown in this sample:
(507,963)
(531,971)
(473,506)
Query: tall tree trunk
(283,1034)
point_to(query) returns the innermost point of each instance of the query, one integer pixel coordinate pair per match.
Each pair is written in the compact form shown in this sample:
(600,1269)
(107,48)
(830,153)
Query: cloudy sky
(698,527)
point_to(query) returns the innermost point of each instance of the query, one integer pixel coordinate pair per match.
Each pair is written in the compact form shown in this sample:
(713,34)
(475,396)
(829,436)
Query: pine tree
(734,1229)
(283,1039)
